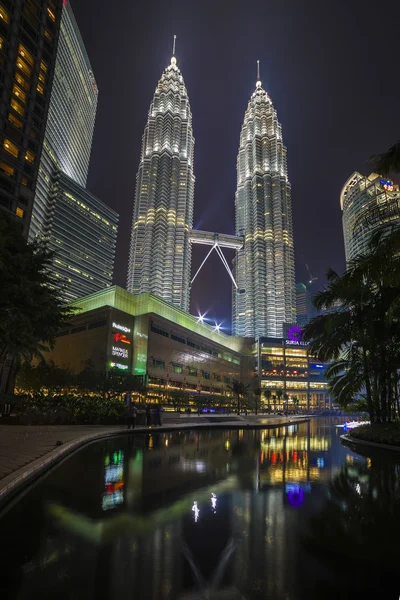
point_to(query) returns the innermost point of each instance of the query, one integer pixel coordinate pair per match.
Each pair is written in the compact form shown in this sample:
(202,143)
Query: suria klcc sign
(295,334)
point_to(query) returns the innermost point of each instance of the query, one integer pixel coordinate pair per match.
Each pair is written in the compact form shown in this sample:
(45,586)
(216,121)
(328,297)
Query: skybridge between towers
(217,241)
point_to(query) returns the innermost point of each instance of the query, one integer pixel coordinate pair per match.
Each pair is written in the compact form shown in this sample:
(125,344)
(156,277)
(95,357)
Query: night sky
(330,68)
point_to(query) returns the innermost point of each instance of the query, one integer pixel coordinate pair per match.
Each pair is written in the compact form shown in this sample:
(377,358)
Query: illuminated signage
(121,352)
(120,337)
(121,328)
(295,343)
(387,184)
(119,366)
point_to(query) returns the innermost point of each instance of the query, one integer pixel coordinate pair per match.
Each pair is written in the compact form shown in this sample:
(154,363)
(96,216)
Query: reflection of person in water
(148,415)
(158,415)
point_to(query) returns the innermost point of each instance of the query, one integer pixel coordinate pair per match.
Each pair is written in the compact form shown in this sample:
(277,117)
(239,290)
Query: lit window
(43,66)
(13,119)
(7,169)
(24,67)
(42,77)
(40,88)
(51,14)
(19,212)
(27,56)
(10,147)
(48,35)
(17,107)
(24,181)
(19,79)
(1,43)
(4,15)
(19,93)
(29,156)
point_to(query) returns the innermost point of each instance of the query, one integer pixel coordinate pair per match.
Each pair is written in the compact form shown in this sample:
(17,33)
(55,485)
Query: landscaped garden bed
(384,433)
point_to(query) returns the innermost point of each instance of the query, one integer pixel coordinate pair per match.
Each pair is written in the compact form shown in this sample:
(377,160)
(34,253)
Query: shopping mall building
(175,355)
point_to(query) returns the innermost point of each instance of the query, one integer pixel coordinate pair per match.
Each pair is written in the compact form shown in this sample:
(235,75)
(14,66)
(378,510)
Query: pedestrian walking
(132,414)
(148,416)
(158,415)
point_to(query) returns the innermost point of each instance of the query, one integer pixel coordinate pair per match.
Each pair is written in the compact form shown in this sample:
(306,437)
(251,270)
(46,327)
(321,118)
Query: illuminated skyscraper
(70,122)
(264,267)
(368,204)
(160,252)
(29,33)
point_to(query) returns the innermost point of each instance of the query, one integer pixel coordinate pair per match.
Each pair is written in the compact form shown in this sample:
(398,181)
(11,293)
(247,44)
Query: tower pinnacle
(173,59)
(258,83)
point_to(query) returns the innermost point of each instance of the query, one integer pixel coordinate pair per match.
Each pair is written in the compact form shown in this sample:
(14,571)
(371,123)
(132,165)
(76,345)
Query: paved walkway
(27,450)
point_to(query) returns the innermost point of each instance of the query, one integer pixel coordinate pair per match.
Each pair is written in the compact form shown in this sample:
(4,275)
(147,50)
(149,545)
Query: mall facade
(177,356)
(290,377)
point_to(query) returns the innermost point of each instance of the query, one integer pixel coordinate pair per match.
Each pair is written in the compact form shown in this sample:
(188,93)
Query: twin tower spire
(160,247)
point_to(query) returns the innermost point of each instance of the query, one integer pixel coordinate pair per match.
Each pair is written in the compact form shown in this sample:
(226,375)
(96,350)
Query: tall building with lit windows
(29,31)
(70,122)
(160,252)
(264,267)
(368,204)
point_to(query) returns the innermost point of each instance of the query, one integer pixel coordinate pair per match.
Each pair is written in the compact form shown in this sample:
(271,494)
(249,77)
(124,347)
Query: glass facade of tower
(304,307)
(264,268)
(83,238)
(368,204)
(70,122)
(160,252)
(29,33)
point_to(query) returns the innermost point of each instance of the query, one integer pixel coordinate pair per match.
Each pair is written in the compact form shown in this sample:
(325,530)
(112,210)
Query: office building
(70,122)
(368,204)
(160,251)
(29,33)
(290,378)
(83,236)
(304,307)
(264,267)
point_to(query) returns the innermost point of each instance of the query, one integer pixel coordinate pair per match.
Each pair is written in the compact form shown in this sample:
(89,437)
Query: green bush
(39,408)
(384,433)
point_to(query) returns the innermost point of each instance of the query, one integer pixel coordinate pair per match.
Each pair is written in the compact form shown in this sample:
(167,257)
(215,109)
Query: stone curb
(348,439)
(13,483)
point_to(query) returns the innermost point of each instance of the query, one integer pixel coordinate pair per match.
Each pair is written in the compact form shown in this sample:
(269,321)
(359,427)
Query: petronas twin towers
(160,249)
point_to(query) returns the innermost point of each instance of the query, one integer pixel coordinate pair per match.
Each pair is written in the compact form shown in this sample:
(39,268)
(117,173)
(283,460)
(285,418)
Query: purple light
(295,496)
(295,333)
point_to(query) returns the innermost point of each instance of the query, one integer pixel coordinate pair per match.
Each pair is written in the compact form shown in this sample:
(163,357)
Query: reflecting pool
(284,514)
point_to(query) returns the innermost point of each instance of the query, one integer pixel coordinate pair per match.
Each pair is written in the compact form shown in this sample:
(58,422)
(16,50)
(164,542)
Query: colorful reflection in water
(276,514)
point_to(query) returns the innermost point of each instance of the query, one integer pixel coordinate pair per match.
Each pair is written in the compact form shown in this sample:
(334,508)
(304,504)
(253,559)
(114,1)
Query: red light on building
(120,337)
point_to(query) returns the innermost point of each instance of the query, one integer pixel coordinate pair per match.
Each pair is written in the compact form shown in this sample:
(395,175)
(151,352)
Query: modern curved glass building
(160,251)
(367,203)
(264,267)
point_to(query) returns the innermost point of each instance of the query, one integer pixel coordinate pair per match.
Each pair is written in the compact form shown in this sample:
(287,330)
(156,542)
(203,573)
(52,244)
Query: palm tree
(267,395)
(30,311)
(257,395)
(239,389)
(388,162)
(279,395)
(362,336)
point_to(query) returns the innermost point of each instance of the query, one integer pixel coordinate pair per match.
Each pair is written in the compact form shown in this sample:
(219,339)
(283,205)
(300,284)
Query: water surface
(285,514)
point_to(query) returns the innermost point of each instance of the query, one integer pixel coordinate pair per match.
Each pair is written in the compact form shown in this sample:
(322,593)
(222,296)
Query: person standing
(132,413)
(148,416)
